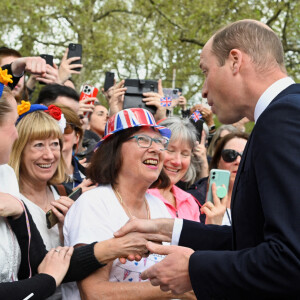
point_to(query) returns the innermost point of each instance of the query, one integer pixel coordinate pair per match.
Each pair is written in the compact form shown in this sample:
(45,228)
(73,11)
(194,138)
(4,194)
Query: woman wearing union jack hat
(128,160)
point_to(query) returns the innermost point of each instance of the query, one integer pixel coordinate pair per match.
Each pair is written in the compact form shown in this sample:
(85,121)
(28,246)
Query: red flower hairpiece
(54,112)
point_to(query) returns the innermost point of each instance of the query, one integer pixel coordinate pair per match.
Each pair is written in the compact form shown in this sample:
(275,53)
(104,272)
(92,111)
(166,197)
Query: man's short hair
(51,92)
(252,37)
(4,52)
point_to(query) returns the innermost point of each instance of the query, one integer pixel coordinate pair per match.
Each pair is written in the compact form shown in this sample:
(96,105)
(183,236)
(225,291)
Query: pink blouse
(186,205)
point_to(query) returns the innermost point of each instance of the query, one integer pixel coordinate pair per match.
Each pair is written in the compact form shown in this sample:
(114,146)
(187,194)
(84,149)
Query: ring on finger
(56,250)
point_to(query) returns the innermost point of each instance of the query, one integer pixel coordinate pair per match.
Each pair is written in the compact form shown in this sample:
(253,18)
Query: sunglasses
(230,155)
(69,128)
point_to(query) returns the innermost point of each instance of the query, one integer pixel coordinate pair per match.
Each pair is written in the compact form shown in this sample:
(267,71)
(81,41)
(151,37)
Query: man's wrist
(212,128)
(165,226)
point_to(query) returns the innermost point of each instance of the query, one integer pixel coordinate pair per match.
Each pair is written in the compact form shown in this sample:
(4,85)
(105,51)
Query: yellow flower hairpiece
(4,77)
(23,107)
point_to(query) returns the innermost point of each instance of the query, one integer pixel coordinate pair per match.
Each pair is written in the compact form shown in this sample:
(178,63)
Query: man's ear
(235,58)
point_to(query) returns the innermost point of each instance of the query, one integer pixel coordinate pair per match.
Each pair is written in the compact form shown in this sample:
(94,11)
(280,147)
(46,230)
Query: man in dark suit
(259,257)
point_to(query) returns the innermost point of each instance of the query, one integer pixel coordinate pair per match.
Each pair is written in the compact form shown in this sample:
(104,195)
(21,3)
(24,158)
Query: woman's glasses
(230,155)
(69,128)
(145,141)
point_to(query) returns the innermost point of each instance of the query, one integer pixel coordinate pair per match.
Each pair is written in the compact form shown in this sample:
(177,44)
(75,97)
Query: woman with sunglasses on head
(128,161)
(227,156)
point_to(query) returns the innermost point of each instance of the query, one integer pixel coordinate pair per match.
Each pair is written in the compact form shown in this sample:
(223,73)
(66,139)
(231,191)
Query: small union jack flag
(165,101)
(196,115)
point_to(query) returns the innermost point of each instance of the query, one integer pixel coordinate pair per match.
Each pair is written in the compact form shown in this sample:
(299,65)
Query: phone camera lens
(214,173)
(213,177)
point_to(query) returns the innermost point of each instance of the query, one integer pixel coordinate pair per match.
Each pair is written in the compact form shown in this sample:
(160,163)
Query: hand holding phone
(51,218)
(135,91)
(88,91)
(221,179)
(48,58)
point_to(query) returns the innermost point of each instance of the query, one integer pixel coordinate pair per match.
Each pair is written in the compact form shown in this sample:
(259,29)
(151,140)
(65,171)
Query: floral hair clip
(26,108)
(56,113)
(4,79)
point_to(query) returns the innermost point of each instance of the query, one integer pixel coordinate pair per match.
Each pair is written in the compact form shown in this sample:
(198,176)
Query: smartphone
(75,50)
(220,178)
(172,93)
(109,80)
(88,91)
(51,218)
(48,58)
(75,194)
(134,93)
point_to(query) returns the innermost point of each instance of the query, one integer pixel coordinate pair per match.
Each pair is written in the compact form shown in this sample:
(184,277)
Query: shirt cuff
(178,223)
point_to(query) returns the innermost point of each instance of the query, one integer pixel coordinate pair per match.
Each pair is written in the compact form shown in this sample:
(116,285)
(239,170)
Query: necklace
(126,207)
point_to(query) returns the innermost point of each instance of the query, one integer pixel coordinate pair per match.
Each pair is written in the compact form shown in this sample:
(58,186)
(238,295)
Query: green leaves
(141,38)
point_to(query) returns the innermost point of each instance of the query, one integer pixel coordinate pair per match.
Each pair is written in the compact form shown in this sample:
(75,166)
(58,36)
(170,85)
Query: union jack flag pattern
(132,117)
(165,101)
(196,115)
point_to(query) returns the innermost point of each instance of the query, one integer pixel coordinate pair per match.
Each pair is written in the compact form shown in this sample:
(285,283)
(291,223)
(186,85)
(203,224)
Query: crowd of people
(142,180)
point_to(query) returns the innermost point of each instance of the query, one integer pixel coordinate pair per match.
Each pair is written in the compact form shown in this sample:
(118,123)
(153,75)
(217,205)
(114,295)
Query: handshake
(132,240)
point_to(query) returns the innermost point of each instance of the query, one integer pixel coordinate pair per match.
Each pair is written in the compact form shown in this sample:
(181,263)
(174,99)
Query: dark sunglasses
(230,155)
(69,128)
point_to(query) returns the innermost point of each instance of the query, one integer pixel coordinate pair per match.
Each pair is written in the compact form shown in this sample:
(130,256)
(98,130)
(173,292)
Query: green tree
(141,38)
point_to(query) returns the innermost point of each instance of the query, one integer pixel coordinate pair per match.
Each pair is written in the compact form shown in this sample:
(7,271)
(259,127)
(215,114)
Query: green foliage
(141,38)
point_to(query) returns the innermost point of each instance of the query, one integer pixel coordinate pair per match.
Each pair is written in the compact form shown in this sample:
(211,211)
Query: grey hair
(183,129)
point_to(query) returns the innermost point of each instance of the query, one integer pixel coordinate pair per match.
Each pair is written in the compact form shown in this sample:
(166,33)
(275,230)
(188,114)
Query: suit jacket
(265,261)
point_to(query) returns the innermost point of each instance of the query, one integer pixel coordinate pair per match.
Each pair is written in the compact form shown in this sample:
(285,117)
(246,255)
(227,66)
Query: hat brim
(164,131)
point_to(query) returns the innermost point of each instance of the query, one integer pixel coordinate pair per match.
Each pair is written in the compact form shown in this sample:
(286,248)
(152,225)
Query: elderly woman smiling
(128,161)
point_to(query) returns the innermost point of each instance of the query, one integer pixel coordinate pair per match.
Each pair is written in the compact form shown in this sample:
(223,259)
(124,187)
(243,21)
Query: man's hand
(51,76)
(157,230)
(34,65)
(172,273)
(162,227)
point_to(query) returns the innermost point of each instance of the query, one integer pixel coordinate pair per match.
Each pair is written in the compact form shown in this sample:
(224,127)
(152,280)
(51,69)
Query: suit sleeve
(270,269)
(209,237)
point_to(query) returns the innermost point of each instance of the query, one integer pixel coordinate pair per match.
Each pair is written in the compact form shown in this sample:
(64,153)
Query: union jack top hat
(132,117)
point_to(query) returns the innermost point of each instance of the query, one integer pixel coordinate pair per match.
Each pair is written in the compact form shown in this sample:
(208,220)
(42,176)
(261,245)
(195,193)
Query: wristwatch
(212,127)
